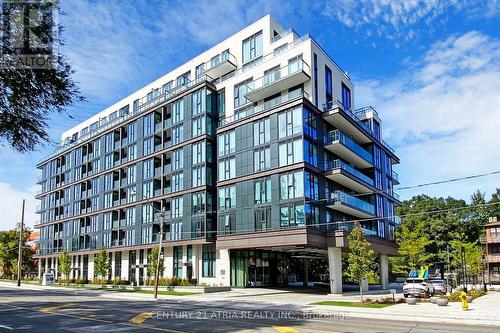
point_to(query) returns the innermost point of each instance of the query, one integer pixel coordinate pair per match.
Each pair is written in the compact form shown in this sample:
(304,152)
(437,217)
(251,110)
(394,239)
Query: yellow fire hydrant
(463,297)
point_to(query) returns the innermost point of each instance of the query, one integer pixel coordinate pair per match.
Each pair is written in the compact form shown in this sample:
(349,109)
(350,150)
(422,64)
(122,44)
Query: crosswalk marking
(140,318)
(285,329)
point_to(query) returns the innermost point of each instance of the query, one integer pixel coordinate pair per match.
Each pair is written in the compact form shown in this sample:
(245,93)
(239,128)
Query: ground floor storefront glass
(252,268)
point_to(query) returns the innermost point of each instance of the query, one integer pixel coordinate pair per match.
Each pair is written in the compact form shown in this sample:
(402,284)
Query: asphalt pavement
(23,310)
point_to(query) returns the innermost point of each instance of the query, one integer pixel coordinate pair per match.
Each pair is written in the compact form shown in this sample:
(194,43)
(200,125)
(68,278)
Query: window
(108,183)
(147,123)
(108,200)
(198,203)
(239,92)
(221,102)
(132,152)
(262,131)
(199,71)
(131,174)
(146,235)
(177,207)
(290,152)
(262,190)
(208,260)
(290,122)
(198,126)
(167,87)
(292,216)
(262,219)
(131,216)
(147,214)
(147,189)
(176,231)
(292,185)
(312,214)
(311,186)
(198,151)
(107,221)
(252,47)
(132,132)
(311,153)
(199,176)
(227,223)
(310,124)
(295,64)
(227,197)
(178,264)
(197,102)
(226,143)
(131,193)
(108,162)
(147,167)
(183,79)
(178,159)
(177,134)
(177,181)
(130,239)
(262,159)
(109,143)
(346,96)
(272,75)
(147,146)
(178,111)
(328,85)
(227,168)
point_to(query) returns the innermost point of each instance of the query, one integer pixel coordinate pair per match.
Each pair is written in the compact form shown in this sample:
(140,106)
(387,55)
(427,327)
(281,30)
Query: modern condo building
(253,149)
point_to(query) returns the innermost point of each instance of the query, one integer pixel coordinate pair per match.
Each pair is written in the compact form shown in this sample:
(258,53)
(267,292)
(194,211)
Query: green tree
(412,246)
(360,258)
(473,257)
(152,261)
(101,265)
(65,265)
(27,95)
(9,247)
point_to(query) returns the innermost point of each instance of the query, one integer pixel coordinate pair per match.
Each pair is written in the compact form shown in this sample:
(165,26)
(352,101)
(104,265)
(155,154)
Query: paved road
(24,310)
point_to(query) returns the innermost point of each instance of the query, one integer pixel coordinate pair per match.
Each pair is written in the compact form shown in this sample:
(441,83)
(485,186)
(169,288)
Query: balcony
(343,146)
(395,178)
(221,65)
(493,258)
(344,174)
(490,239)
(347,227)
(279,80)
(344,119)
(351,205)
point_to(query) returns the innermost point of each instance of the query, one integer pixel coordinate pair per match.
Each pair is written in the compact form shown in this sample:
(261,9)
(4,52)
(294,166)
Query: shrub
(476,293)
(99,281)
(81,281)
(117,281)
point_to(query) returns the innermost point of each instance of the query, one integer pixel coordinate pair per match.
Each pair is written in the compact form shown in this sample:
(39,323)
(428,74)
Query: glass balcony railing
(339,136)
(338,164)
(220,65)
(252,109)
(337,104)
(340,197)
(293,67)
(344,226)
(395,176)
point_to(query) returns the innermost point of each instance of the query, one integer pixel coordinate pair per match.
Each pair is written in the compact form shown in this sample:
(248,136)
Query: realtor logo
(28,34)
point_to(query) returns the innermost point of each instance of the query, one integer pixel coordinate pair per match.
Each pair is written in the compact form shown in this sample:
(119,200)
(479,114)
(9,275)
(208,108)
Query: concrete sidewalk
(482,311)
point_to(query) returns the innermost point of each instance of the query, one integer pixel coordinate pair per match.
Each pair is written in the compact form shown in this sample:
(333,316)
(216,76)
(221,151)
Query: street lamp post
(157,271)
(20,254)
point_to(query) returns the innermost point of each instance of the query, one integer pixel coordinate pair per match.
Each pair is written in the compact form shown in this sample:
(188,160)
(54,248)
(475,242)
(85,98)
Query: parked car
(418,288)
(439,286)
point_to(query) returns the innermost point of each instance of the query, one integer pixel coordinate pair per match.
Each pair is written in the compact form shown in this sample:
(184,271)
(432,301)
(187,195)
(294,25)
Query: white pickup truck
(417,288)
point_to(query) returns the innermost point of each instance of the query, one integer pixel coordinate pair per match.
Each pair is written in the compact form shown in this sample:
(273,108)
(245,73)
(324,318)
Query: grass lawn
(160,292)
(352,304)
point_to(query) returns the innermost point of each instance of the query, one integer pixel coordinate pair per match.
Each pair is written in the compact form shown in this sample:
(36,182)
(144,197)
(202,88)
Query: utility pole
(20,254)
(157,272)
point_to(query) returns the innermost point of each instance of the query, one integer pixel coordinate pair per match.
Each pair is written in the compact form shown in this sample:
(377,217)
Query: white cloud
(395,19)
(443,114)
(11,205)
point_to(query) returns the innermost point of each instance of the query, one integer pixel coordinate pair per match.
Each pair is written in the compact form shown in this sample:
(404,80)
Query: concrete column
(184,260)
(305,280)
(384,271)
(168,262)
(40,269)
(46,263)
(91,267)
(223,267)
(56,268)
(335,268)
(195,263)
(124,265)
(113,265)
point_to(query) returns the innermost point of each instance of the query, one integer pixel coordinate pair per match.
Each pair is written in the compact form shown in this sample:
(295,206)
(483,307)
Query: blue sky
(430,68)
